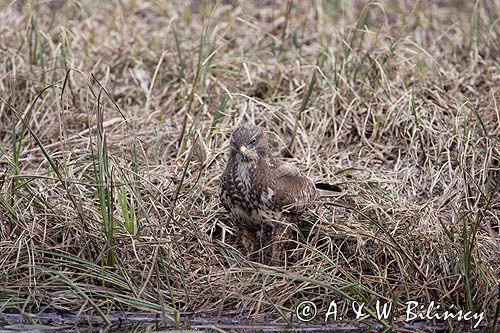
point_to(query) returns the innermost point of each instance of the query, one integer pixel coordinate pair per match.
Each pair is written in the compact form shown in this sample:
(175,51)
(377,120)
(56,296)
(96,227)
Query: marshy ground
(115,119)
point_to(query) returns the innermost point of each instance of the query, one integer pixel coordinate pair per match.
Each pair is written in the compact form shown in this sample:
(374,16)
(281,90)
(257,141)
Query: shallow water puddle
(138,322)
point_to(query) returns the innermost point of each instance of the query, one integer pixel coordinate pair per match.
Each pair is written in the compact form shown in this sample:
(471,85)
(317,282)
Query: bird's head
(249,142)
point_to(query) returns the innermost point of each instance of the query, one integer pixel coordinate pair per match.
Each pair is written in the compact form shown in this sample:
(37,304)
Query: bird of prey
(261,191)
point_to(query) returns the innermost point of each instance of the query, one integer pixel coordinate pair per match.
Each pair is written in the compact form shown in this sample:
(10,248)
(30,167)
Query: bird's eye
(253,141)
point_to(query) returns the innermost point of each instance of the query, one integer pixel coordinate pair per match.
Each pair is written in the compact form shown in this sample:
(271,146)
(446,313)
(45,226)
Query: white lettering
(410,315)
(383,314)
(332,310)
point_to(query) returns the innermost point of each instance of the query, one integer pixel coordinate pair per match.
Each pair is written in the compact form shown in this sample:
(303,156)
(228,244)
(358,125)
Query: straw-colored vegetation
(115,118)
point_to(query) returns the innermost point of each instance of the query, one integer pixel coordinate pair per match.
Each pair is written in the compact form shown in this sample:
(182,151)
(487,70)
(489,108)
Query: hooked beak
(243,149)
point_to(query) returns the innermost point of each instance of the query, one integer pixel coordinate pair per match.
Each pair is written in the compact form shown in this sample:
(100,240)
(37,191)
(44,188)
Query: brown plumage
(260,191)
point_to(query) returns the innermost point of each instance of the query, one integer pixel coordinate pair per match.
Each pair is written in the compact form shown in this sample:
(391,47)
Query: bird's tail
(327,187)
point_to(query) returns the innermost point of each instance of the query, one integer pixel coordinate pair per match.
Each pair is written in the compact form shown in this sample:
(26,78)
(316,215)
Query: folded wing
(292,191)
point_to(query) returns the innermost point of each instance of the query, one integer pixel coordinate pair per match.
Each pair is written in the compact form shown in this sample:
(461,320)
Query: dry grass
(114,126)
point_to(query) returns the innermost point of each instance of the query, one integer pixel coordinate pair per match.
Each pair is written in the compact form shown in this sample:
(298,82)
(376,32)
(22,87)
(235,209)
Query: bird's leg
(281,234)
(261,243)
(247,239)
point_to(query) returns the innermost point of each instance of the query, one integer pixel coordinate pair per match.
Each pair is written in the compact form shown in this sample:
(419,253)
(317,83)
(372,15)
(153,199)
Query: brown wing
(291,190)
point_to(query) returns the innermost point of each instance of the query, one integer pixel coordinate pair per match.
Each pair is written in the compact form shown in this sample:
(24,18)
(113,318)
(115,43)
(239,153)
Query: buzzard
(262,192)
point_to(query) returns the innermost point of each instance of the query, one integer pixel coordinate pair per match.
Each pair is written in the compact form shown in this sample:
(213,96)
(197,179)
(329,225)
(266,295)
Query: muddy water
(141,322)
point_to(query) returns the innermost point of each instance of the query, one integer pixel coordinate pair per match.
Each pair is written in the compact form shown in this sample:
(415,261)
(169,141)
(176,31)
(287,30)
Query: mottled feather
(293,190)
(261,191)
(257,188)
